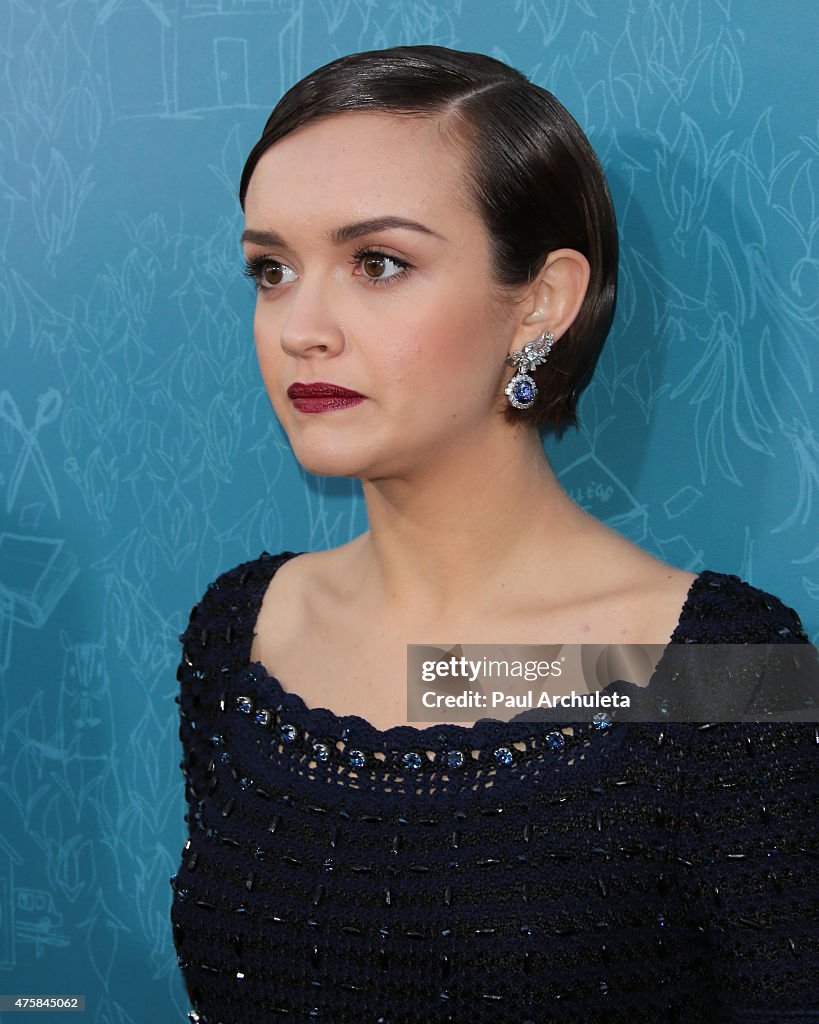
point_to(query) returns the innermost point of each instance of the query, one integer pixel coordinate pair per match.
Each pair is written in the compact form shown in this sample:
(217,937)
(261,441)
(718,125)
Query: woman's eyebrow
(338,236)
(362,227)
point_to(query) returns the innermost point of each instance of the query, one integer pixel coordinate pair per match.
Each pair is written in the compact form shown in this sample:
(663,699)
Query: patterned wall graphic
(138,452)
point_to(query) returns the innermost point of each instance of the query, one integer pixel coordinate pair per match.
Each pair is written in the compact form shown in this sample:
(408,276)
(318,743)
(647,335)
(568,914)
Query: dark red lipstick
(322,397)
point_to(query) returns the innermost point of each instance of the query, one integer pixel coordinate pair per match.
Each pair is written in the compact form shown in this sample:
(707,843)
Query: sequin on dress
(335,873)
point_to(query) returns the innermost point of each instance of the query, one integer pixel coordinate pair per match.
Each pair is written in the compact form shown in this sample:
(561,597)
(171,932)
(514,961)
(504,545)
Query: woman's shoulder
(234,591)
(262,567)
(739,654)
(723,608)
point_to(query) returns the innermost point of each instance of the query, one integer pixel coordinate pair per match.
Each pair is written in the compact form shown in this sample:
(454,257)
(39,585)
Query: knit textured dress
(335,873)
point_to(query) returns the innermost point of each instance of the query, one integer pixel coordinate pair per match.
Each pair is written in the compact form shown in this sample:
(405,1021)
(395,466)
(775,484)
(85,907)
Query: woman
(434,249)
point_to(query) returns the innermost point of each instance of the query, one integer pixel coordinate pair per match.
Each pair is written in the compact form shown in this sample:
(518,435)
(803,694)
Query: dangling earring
(521,389)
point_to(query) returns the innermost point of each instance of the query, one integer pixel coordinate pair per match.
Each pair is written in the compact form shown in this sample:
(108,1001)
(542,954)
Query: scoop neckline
(353,724)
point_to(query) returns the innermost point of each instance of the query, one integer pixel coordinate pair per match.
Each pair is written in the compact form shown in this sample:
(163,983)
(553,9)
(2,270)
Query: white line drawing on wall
(547,15)
(806,457)
(48,408)
(330,526)
(35,572)
(97,480)
(9,858)
(37,920)
(130,613)
(199,55)
(677,549)
(230,58)
(85,720)
(9,197)
(726,407)
(57,197)
(639,383)
(681,501)
(47,328)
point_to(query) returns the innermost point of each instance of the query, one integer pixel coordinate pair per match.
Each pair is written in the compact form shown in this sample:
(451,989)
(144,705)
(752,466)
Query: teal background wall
(138,452)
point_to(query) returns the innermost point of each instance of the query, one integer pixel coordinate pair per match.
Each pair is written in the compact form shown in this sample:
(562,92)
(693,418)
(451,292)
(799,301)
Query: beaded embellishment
(274,721)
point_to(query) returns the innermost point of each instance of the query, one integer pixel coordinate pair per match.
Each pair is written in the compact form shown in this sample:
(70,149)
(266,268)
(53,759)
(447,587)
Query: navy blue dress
(506,872)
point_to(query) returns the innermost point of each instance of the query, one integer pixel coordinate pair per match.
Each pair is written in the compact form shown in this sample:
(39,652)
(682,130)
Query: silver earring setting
(521,389)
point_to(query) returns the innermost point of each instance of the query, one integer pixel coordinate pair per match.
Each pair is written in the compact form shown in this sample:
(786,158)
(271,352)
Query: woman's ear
(555,296)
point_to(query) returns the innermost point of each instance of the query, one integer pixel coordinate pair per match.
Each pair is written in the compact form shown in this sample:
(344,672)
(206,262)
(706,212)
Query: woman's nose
(310,327)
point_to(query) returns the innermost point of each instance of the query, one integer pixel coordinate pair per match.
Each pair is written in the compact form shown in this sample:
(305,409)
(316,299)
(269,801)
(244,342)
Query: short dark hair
(533,177)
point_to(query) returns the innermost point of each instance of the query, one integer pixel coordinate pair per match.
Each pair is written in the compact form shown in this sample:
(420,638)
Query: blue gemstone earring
(521,389)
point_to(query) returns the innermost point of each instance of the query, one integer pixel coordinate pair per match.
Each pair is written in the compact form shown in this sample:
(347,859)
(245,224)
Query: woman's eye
(378,266)
(273,274)
(268,273)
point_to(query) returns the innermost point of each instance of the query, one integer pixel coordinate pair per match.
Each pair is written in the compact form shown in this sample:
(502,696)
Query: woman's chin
(329,463)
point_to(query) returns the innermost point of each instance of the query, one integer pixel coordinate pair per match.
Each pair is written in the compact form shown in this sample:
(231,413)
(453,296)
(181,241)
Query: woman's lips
(322,397)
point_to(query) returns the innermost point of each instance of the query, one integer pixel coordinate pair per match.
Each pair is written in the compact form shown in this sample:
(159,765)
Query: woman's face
(404,314)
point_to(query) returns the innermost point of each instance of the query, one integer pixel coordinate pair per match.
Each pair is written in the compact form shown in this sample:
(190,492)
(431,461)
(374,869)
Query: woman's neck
(450,537)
